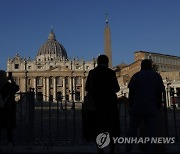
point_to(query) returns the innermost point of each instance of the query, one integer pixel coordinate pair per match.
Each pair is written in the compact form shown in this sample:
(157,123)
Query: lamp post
(166,103)
(172,93)
(168,91)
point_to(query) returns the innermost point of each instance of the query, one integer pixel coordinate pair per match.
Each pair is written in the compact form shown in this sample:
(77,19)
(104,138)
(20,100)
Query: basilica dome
(52,48)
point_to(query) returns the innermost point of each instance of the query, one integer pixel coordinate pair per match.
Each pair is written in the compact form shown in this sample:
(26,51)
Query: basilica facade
(52,75)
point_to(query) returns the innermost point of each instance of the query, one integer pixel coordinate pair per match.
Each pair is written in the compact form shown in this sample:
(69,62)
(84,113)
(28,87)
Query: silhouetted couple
(145,98)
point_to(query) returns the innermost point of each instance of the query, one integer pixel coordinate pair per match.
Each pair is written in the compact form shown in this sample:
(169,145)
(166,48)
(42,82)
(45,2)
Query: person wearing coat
(145,98)
(8,88)
(102,84)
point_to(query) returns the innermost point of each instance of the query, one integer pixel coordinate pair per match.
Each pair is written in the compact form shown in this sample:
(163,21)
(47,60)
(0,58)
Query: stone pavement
(77,149)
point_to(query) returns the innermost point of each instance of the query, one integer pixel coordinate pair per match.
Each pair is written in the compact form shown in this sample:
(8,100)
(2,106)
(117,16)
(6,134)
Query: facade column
(64,89)
(44,89)
(47,89)
(19,81)
(35,86)
(54,88)
(168,97)
(74,89)
(26,83)
(82,89)
(70,89)
(23,84)
(175,91)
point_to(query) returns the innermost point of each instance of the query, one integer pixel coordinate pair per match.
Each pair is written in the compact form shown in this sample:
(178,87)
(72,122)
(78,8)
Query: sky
(146,25)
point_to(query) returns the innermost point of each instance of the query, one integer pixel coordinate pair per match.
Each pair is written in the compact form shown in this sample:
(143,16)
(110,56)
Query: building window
(167,61)
(51,81)
(51,98)
(59,96)
(87,67)
(16,66)
(66,81)
(77,96)
(77,67)
(171,62)
(161,59)
(78,80)
(39,96)
(59,81)
(29,67)
(16,80)
(67,97)
(39,67)
(39,80)
(158,59)
(29,81)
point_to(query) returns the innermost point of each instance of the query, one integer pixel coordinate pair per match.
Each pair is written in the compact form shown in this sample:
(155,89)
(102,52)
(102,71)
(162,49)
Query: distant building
(167,65)
(52,75)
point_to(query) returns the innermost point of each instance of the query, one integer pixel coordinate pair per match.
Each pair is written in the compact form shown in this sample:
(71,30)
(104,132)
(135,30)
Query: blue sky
(148,25)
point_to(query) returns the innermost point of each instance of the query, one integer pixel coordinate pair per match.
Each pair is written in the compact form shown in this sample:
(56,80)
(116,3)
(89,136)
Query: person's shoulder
(92,70)
(152,72)
(133,79)
(110,70)
(136,74)
(155,74)
(158,75)
(12,84)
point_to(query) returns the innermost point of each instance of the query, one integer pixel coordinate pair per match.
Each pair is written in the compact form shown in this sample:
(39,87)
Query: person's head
(3,78)
(103,60)
(146,64)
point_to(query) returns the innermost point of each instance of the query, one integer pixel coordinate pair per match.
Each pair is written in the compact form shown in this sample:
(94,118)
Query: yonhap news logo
(103,140)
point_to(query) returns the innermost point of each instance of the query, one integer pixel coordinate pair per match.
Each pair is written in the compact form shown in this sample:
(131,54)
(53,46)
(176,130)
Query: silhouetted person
(145,98)
(103,85)
(8,88)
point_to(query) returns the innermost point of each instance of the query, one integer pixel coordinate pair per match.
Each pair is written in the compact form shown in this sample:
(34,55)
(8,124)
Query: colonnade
(70,86)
